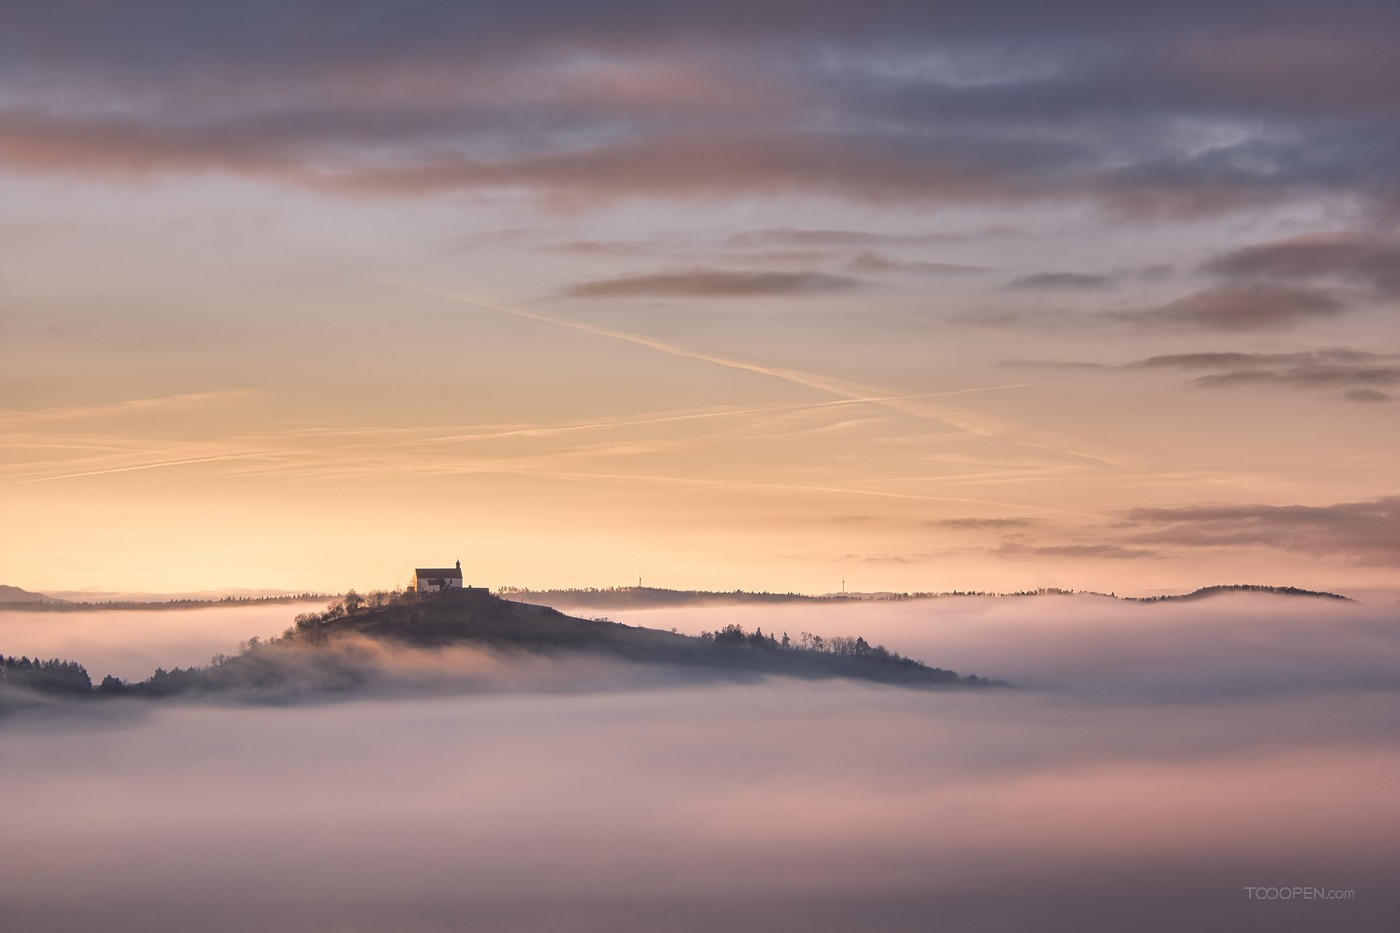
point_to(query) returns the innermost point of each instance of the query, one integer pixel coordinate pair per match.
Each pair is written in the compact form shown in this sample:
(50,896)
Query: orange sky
(601,312)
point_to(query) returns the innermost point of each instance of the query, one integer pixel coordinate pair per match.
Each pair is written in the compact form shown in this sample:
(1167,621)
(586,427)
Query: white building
(432,579)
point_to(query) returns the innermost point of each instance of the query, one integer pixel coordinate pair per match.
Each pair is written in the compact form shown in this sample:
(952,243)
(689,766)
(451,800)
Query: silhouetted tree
(52,676)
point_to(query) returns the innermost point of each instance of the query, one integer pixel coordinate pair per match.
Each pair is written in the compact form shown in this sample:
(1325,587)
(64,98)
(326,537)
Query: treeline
(645,595)
(255,665)
(1205,591)
(53,676)
(63,606)
(622,597)
(250,665)
(734,634)
(310,624)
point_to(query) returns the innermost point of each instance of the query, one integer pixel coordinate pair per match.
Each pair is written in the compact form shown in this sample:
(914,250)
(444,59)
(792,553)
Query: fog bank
(1086,645)
(132,643)
(1123,787)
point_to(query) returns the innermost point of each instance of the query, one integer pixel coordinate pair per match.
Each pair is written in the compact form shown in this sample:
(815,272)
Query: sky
(910,296)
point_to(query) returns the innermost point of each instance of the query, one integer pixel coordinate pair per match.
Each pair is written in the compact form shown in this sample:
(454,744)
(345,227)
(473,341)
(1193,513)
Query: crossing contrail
(810,380)
(914,405)
(140,466)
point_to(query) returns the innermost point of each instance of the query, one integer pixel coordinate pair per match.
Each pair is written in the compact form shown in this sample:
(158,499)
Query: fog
(132,643)
(1085,645)
(1152,762)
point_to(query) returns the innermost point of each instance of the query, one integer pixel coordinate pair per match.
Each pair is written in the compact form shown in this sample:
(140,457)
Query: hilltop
(356,642)
(40,603)
(1206,592)
(13,594)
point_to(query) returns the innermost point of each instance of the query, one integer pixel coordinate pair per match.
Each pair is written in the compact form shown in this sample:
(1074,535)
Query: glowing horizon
(735,299)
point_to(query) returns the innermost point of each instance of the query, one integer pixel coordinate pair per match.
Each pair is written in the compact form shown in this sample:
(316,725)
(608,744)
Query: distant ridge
(639,597)
(38,603)
(13,594)
(1207,591)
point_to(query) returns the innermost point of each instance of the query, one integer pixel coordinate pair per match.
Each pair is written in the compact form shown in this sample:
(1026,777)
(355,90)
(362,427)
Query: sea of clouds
(1152,763)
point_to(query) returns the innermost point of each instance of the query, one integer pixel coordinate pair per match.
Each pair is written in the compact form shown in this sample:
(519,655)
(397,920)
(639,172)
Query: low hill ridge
(1221,590)
(14,594)
(477,617)
(646,597)
(340,650)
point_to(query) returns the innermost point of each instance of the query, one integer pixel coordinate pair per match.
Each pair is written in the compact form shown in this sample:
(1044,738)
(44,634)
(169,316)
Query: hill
(334,641)
(1206,592)
(406,641)
(479,618)
(13,594)
(54,604)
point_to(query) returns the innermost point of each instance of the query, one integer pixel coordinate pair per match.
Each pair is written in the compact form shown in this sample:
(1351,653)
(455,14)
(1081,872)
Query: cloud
(1217,360)
(1061,280)
(1235,308)
(944,167)
(600,247)
(862,165)
(984,524)
(1238,308)
(1365,259)
(883,558)
(1367,395)
(819,238)
(1365,532)
(1361,374)
(1039,318)
(1088,551)
(868,261)
(810,239)
(714,283)
(1186,112)
(1306,376)
(1155,272)
(1054,364)
(1151,748)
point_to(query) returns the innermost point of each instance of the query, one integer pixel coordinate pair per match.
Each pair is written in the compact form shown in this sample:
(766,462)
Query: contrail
(691,415)
(18,417)
(847,390)
(798,487)
(809,380)
(141,466)
(915,405)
